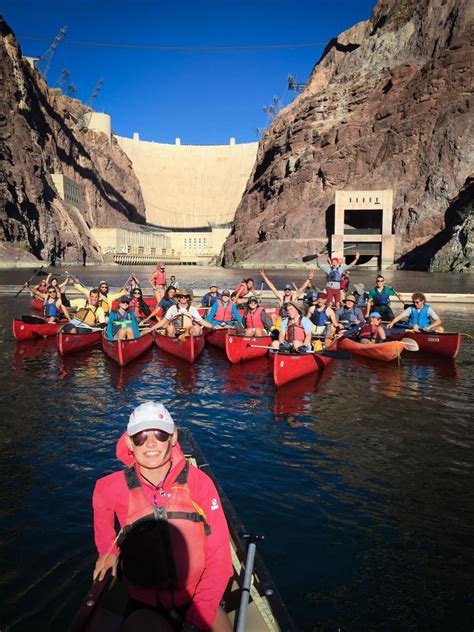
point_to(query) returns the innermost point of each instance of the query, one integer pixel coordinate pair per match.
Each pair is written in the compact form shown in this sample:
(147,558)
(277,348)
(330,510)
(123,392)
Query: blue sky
(203,97)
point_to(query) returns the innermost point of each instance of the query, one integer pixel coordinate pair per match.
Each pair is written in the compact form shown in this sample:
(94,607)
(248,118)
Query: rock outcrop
(389,105)
(41,133)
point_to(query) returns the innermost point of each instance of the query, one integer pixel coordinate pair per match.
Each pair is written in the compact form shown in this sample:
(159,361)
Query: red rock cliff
(387,106)
(40,135)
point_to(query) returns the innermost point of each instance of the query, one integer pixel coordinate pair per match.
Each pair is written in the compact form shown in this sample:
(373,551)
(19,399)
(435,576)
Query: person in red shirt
(159,477)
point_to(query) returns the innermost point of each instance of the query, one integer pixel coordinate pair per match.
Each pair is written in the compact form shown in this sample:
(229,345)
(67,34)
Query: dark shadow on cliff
(463,205)
(37,121)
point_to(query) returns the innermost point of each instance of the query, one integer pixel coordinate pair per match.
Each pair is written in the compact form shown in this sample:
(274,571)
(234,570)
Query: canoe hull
(124,351)
(37,304)
(288,367)
(188,349)
(70,343)
(29,331)
(242,348)
(445,345)
(217,337)
(385,351)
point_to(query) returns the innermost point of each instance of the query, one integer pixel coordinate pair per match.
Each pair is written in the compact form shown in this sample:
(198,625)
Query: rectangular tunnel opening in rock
(363,222)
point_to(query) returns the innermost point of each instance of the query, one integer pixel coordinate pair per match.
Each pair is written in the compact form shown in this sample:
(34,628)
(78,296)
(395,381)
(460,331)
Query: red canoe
(241,348)
(187,349)
(124,351)
(289,367)
(23,330)
(69,343)
(216,337)
(385,351)
(445,345)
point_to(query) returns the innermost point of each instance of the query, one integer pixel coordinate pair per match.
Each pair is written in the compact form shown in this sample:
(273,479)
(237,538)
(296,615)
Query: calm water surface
(361,479)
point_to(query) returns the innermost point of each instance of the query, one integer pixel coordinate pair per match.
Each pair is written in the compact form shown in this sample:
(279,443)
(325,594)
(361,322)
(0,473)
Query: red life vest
(136,308)
(295,331)
(184,528)
(159,278)
(253,320)
(224,311)
(368,331)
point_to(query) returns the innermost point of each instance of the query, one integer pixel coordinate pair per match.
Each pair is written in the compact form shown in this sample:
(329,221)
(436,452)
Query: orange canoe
(385,351)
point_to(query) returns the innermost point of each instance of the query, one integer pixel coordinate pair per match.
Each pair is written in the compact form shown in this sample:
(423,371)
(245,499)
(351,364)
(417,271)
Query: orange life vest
(295,331)
(184,528)
(224,311)
(254,320)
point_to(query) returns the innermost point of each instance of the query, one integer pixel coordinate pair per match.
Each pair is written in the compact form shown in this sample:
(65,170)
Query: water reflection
(297,398)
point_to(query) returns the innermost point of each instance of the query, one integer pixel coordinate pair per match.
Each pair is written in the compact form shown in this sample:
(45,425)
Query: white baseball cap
(148,416)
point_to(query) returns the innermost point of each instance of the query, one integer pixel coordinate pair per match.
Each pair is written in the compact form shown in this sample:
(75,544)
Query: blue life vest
(166,303)
(349,315)
(318,318)
(381,298)
(420,318)
(50,310)
(334,276)
(120,320)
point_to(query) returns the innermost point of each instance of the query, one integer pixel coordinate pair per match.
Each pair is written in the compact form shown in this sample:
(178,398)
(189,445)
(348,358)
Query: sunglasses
(140,438)
(137,293)
(52,292)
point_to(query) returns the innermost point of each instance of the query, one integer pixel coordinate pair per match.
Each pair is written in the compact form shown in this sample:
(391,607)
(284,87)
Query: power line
(179,49)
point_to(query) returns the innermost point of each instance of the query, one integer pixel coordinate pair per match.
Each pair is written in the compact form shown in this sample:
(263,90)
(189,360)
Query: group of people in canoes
(307,317)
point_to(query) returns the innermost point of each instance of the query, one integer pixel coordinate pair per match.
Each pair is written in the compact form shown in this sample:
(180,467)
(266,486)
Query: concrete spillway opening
(362,222)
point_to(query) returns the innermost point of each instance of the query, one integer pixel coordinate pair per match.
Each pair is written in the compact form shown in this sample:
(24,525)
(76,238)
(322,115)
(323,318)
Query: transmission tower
(294,85)
(85,118)
(48,55)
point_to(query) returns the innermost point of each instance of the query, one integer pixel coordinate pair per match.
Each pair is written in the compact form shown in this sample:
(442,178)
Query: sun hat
(375,315)
(148,416)
(359,288)
(322,295)
(183,292)
(350,297)
(294,305)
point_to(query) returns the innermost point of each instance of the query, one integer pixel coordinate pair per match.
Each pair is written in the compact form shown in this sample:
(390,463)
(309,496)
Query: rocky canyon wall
(41,133)
(388,106)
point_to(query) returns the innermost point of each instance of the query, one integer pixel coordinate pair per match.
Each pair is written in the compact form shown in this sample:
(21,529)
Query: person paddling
(255,320)
(224,312)
(333,273)
(295,331)
(174,544)
(419,316)
(122,324)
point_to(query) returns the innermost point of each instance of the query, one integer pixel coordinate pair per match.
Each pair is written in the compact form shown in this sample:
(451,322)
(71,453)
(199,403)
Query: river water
(360,478)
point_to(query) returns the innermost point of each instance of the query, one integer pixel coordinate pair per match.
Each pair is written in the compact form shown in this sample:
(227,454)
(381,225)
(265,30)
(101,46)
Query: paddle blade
(410,345)
(307,258)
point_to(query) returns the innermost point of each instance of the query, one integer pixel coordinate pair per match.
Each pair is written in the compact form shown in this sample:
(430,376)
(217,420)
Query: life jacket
(380,298)
(104,303)
(137,308)
(253,320)
(179,554)
(319,318)
(282,312)
(50,310)
(120,321)
(87,315)
(344,282)
(368,331)
(223,312)
(334,275)
(295,331)
(159,278)
(166,303)
(419,318)
(348,314)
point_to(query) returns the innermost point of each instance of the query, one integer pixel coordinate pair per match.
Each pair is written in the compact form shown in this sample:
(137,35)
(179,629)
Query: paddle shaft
(336,354)
(307,258)
(29,280)
(249,563)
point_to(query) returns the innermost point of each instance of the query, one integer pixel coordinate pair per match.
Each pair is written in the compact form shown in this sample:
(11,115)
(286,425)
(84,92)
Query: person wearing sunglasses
(196,551)
(158,281)
(90,316)
(53,309)
(138,305)
(122,323)
(418,317)
(182,318)
(106,297)
(379,298)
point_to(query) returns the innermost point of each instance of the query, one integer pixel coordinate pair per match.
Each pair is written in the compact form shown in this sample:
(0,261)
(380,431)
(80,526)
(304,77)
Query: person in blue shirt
(211,297)
(122,323)
(224,312)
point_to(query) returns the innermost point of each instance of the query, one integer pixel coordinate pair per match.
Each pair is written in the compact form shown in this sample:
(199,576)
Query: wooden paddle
(36,272)
(337,354)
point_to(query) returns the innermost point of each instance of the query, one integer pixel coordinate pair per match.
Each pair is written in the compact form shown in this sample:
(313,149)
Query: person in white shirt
(182,317)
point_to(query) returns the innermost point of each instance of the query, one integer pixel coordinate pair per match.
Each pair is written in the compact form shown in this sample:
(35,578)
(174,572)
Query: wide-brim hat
(183,292)
(359,288)
(350,297)
(297,307)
